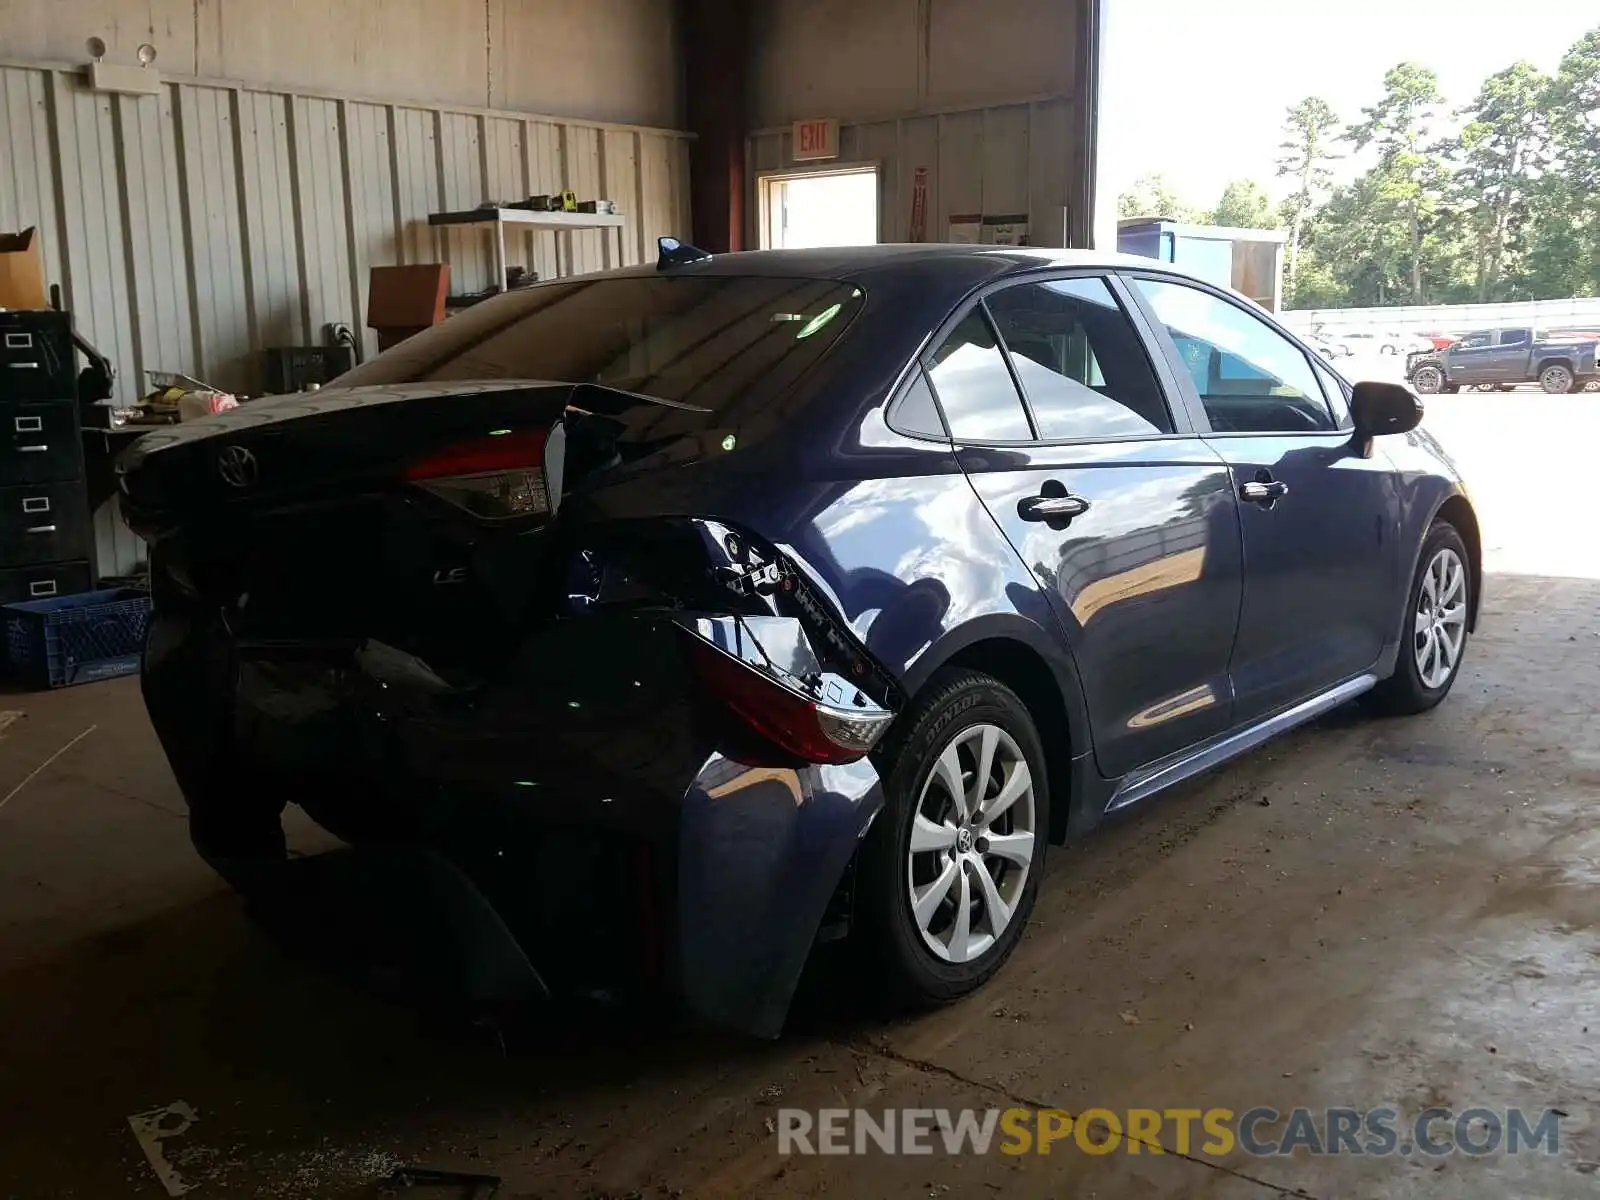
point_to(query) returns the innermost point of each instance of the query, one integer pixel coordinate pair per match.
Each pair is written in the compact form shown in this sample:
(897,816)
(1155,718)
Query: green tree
(1357,246)
(1563,254)
(1407,181)
(1304,157)
(1575,113)
(1499,156)
(1245,205)
(1150,196)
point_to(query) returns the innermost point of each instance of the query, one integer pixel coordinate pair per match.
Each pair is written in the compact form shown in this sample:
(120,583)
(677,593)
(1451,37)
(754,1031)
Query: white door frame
(764,190)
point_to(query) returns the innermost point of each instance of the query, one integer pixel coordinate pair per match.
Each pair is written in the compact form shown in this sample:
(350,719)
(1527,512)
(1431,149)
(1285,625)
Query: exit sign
(815,140)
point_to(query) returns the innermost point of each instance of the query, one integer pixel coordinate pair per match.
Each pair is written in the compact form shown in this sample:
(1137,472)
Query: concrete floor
(1365,912)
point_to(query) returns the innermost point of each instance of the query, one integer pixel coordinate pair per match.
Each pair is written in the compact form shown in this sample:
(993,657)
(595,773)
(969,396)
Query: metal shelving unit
(496,219)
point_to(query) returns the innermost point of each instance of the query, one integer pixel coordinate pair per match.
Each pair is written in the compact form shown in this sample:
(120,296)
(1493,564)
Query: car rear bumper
(579,826)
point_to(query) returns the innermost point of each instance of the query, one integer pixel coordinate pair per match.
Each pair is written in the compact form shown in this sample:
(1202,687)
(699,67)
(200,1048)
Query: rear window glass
(715,342)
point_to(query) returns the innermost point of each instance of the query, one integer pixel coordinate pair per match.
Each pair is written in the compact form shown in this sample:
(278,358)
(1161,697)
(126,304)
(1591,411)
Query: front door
(1321,551)
(1124,515)
(1509,361)
(1471,360)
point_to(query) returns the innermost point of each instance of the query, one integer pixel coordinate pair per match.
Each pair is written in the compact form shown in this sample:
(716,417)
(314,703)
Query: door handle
(1261,491)
(1051,508)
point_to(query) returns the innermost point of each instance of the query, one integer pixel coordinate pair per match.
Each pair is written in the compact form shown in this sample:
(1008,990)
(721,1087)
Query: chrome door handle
(40,529)
(1264,492)
(1051,508)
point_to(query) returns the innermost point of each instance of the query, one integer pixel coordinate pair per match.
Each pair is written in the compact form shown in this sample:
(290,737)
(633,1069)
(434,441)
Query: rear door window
(1080,360)
(974,385)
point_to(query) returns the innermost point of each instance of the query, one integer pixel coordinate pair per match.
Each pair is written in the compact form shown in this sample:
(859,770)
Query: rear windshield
(708,341)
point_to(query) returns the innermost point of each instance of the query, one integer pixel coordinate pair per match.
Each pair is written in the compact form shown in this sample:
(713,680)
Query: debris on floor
(157,1126)
(464,1184)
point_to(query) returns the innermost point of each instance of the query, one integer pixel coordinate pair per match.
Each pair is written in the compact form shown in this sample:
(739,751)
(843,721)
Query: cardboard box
(407,297)
(22,271)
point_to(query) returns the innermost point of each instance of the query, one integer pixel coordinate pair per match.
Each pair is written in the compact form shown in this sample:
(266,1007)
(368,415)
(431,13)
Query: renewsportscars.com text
(1210,1132)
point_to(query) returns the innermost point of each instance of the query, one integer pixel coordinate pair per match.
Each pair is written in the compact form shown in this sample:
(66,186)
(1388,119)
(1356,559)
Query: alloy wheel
(1441,624)
(1428,380)
(971,845)
(1557,381)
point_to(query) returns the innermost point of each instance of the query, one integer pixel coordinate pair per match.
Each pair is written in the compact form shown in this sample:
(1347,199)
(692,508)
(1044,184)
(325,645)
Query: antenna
(673,253)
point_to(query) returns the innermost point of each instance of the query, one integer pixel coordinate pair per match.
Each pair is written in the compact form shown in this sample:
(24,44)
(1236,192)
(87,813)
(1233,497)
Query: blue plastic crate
(76,639)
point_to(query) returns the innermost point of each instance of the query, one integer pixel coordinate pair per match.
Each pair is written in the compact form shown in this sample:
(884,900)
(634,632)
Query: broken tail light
(500,477)
(808,726)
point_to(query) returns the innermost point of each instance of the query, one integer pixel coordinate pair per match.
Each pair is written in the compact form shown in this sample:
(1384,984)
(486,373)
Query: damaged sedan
(639,632)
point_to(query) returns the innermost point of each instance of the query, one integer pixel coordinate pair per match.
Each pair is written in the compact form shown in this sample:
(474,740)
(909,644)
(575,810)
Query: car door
(1509,362)
(1125,517)
(1317,518)
(1471,359)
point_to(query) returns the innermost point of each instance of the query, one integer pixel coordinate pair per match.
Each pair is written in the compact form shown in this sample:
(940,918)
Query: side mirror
(1380,408)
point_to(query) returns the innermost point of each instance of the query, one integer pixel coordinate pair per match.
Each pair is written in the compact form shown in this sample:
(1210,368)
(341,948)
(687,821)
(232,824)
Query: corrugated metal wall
(1009,158)
(192,229)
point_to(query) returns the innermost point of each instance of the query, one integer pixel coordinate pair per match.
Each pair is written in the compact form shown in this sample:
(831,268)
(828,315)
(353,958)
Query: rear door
(1125,517)
(1318,521)
(1509,362)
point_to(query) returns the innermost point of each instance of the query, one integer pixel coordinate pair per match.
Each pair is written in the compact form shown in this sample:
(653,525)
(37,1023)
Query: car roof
(859,263)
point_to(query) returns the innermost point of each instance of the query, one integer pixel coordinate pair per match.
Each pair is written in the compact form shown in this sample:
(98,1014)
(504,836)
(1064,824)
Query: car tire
(1556,379)
(949,722)
(1414,688)
(1428,381)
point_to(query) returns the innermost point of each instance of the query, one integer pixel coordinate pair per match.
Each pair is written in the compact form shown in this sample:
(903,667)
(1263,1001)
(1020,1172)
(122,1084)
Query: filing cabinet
(37,359)
(39,442)
(46,529)
(40,583)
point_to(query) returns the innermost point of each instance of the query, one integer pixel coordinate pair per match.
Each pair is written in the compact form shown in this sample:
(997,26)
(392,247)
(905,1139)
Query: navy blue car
(641,631)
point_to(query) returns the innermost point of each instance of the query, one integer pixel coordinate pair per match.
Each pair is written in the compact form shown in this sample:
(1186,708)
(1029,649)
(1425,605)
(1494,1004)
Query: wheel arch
(1457,510)
(1426,364)
(1556,360)
(1018,654)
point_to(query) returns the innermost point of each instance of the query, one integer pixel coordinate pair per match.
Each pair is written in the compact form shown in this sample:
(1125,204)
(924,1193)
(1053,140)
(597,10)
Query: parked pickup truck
(1503,357)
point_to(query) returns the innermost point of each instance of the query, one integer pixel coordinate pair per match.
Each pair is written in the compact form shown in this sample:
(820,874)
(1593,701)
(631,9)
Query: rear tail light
(496,478)
(801,725)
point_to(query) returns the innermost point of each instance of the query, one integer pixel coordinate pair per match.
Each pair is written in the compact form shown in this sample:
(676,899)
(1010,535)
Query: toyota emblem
(237,466)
